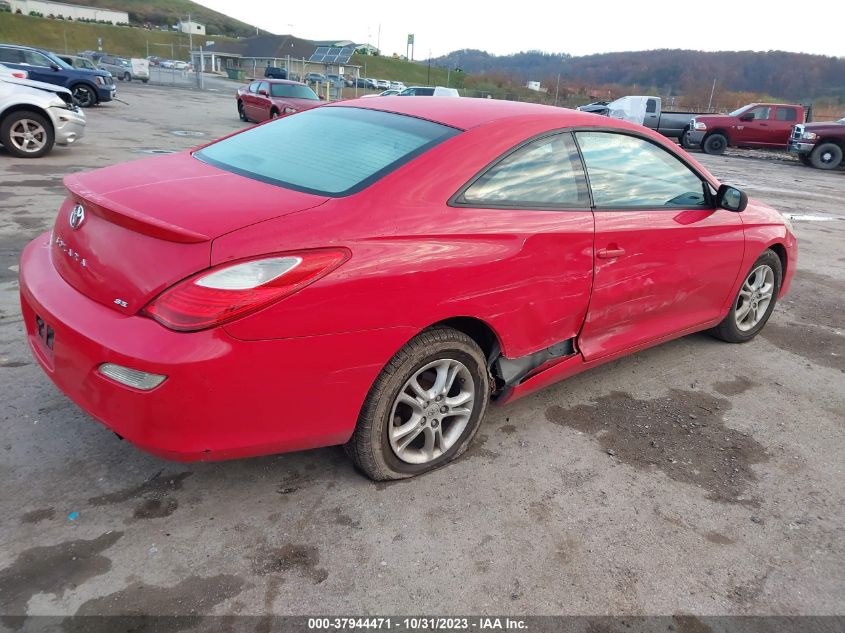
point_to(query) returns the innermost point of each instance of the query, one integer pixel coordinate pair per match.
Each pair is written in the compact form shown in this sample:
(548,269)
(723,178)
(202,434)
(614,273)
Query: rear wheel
(424,408)
(715,144)
(127,77)
(27,134)
(754,302)
(826,156)
(84,96)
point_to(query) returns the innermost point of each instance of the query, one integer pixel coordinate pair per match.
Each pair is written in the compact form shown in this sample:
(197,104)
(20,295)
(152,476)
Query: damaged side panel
(509,372)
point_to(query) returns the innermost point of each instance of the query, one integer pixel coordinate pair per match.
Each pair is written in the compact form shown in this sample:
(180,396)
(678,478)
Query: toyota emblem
(77,217)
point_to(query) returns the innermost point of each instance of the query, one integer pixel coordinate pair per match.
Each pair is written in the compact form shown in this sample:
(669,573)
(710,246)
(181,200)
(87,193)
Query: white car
(34,116)
(5,71)
(429,91)
(398,86)
(386,93)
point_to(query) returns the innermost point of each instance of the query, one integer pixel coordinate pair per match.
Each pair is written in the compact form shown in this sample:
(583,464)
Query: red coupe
(272,98)
(269,293)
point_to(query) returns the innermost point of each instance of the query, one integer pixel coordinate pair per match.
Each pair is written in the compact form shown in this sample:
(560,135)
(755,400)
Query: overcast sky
(577,27)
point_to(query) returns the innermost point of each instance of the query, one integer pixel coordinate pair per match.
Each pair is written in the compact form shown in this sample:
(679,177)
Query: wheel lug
(422,422)
(444,409)
(439,398)
(434,424)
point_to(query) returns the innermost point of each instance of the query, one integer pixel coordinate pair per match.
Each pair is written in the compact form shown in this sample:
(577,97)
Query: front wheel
(241,112)
(826,156)
(424,408)
(27,134)
(754,302)
(127,77)
(715,144)
(84,96)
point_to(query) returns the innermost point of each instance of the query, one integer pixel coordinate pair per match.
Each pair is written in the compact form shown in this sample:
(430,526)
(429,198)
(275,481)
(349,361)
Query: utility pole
(190,40)
(557,88)
(428,81)
(378,40)
(712,90)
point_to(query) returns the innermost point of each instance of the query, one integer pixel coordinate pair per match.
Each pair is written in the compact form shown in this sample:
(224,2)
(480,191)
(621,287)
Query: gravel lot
(693,478)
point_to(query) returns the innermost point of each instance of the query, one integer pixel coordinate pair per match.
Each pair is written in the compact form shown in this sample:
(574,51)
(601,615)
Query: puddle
(809,217)
(682,434)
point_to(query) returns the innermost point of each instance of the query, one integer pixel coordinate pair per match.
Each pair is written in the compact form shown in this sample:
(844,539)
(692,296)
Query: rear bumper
(223,398)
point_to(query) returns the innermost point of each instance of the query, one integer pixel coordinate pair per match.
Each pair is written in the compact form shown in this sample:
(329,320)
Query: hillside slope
(167,12)
(788,75)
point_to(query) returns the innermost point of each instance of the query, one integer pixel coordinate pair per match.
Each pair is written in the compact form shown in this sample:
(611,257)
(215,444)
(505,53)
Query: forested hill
(788,75)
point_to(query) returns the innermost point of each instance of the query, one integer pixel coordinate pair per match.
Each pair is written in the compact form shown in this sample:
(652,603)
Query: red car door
(665,259)
(755,127)
(262,102)
(536,197)
(785,118)
(249,100)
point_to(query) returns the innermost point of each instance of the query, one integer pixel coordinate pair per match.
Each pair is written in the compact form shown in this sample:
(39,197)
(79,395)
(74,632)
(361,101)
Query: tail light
(20,74)
(225,293)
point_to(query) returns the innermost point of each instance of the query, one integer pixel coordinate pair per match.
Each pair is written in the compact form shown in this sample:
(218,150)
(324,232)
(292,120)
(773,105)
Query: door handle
(610,253)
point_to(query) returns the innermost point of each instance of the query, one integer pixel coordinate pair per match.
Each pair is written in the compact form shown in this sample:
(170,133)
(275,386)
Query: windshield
(357,147)
(741,110)
(81,62)
(292,91)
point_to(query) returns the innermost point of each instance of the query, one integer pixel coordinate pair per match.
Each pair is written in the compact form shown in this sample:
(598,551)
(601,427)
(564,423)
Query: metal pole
(428,81)
(557,88)
(712,90)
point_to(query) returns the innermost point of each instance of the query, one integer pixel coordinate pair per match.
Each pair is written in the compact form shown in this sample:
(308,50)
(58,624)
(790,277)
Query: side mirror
(55,66)
(731,198)
(263,93)
(746,117)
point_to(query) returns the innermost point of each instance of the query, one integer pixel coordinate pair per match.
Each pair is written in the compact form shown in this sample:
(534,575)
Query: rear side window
(332,151)
(651,106)
(10,56)
(545,173)
(786,114)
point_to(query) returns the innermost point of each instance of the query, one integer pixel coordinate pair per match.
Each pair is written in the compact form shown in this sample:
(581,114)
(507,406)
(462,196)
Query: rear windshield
(292,91)
(333,151)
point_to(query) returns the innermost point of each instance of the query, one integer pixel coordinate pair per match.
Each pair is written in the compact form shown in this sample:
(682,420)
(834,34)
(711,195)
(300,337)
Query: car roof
(268,80)
(467,113)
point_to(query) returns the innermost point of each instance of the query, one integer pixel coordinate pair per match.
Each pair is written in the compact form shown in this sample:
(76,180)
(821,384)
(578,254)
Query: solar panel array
(326,55)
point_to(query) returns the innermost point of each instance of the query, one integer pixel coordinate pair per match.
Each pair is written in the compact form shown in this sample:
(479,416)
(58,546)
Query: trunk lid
(147,224)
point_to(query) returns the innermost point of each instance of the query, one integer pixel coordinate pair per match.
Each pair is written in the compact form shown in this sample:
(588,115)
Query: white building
(533,85)
(74,11)
(189,26)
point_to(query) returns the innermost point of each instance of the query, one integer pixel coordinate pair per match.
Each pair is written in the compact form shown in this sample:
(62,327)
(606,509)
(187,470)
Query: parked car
(385,93)
(398,86)
(124,69)
(154,60)
(181,65)
(382,84)
(648,111)
(372,84)
(275,72)
(78,62)
(429,91)
(273,98)
(34,116)
(337,81)
(766,125)
(820,145)
(88,87)
(167,63)
(373,276)
(315,78)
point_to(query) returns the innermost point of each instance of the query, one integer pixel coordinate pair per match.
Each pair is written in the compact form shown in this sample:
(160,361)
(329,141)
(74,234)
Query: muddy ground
(693,478)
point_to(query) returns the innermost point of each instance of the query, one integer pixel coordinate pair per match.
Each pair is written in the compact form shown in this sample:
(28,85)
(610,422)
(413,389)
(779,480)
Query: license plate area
(46,337)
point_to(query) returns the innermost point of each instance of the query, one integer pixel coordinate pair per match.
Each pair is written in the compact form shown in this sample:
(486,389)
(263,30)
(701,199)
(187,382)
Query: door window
(264,86)
(630,172)
(546,172)
(787,114)
(253,87)
(651,106)
(34,58)
(760,113)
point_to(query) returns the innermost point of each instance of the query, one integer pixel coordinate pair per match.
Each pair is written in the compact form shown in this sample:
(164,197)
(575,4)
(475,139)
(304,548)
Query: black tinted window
(651,106)
(626,171)
(546,172)
(786,114)
(10,55)
(329,151)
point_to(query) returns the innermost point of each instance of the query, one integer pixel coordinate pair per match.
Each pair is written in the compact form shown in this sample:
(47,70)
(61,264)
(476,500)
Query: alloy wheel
(754,298)
(431,411)
(28,136)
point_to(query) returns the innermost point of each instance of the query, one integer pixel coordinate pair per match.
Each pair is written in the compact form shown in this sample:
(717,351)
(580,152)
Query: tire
(127,77)
(805,160)
(766,274)
(715,144)
(27,134)
(84,96)
(826,156)
(145,81)
(682,140)
(435,438)
(241,112)
(274,114)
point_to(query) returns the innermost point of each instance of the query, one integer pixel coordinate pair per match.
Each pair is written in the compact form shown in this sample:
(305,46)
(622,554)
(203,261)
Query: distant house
(190,26)
(533,85)
(366,49)
(73,11)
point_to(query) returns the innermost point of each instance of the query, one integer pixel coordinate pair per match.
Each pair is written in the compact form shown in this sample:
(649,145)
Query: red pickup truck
(766,125)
